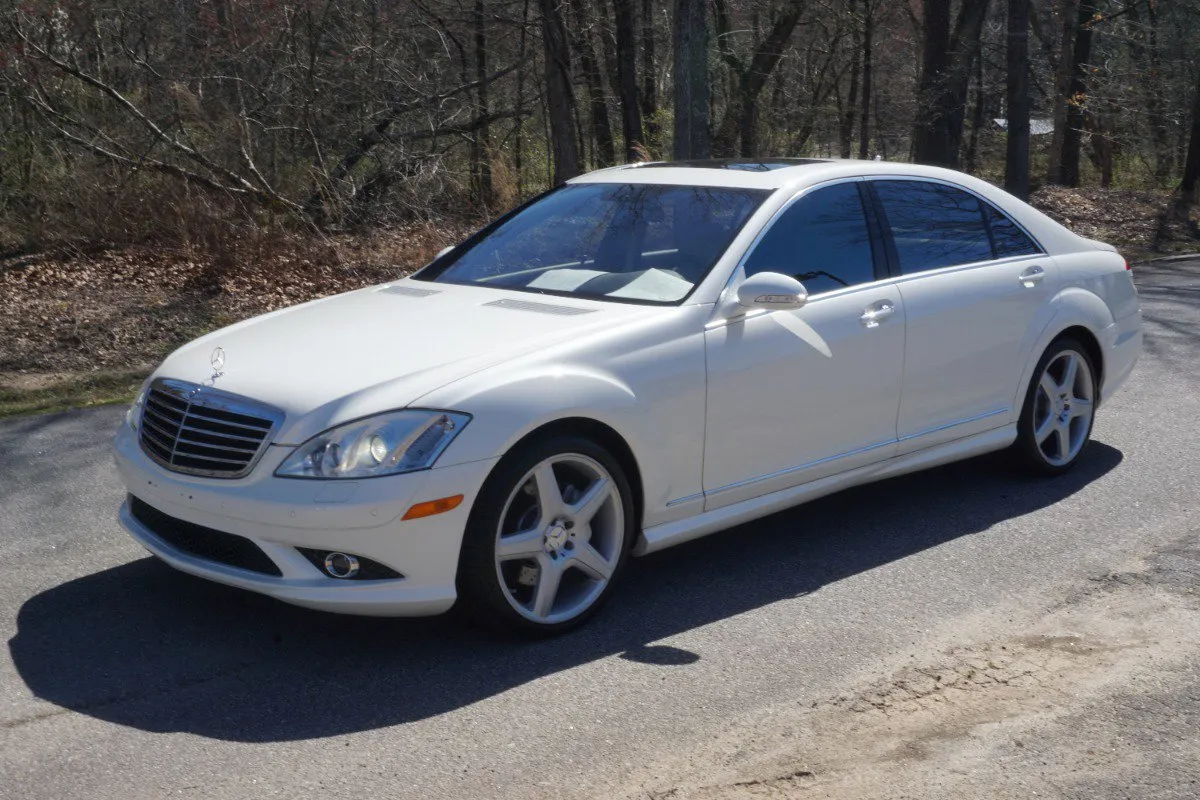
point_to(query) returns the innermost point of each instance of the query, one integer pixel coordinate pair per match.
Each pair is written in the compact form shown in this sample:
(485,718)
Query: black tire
(481,596)
(1028,454)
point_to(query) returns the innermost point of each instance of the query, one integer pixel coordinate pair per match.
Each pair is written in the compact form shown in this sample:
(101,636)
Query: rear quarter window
(1007,238)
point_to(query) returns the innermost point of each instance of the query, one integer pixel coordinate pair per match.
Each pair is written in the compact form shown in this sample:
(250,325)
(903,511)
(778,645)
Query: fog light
(340,565)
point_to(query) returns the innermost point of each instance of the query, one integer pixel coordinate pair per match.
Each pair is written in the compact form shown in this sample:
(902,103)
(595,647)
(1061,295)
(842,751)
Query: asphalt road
(125,679)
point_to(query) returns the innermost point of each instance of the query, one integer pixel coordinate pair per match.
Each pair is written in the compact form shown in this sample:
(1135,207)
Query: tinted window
(933,225)
(1007,238)
(822,240)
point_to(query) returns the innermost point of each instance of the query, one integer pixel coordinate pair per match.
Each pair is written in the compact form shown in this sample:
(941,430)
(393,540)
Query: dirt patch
(1048,710)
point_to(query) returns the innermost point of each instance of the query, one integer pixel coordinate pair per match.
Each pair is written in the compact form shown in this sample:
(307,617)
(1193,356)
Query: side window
(933,225)
(1008,239)
(821,240)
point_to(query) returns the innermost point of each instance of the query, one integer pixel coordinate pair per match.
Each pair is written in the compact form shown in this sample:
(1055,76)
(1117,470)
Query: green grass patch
(81,390)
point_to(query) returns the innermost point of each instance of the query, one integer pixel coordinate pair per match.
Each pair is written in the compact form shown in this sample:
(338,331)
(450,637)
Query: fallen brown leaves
(127,308)
(1134,221)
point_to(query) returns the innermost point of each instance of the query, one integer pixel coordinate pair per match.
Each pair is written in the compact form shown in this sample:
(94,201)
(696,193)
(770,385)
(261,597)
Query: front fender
(508,412)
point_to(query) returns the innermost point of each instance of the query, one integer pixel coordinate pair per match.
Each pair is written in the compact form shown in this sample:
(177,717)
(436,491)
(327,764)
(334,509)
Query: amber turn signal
(431,507)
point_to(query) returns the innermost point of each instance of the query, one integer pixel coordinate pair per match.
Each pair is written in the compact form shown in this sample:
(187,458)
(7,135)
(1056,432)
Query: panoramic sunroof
(743,164)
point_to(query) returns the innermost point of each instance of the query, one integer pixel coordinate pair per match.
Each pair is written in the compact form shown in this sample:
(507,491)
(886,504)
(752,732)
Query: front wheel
(1060,407)
(547,537)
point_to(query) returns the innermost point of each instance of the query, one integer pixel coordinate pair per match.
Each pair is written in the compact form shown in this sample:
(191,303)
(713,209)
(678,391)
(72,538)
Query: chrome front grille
(199,430)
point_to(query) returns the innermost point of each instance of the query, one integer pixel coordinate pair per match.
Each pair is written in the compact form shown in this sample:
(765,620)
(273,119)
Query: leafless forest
(122,120)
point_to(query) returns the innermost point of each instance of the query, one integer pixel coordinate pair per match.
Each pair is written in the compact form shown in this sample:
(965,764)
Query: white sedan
(642,356)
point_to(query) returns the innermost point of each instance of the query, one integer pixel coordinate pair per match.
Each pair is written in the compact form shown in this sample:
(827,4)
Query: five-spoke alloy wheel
(1060,406)
(547,536)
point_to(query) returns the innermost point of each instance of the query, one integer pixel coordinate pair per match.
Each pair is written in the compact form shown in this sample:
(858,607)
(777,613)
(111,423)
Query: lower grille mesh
(197,540)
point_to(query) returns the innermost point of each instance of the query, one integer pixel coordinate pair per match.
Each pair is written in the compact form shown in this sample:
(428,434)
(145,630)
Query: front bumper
(278,515)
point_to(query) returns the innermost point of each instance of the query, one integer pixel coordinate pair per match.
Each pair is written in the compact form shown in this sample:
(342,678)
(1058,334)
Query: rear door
(973,284)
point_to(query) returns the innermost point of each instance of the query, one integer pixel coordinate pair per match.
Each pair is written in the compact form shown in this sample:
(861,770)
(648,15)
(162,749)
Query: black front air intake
(202,542)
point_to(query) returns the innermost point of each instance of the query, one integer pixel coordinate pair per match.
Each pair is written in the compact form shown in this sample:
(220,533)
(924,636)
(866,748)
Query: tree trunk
(850,109)
(1016,157)
(1062,84)
(608,48)
(1103,147)
(691,79)
(945,79)
(864,121)
(1191,166)
(929,134)
(631,112)
(649,95)
(743,104)
(964,53)
(602,135)
(1143,51)
(518,139)
(1081,53)
(560,101)
(978,118)
(481,145)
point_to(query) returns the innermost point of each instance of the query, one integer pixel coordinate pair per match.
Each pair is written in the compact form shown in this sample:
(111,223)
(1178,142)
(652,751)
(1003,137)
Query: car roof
(797,174)
(766,173)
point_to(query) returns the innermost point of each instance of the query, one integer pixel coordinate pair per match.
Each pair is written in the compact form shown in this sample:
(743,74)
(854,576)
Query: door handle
(874,315)
(1032,277)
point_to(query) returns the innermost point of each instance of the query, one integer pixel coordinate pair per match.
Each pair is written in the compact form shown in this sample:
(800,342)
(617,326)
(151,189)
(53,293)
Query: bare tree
(735,135)
(560,99)
(1190,184)
(691,79)
(945,77)
(649,91)
(1016,160)
(1081,54)
(631,111)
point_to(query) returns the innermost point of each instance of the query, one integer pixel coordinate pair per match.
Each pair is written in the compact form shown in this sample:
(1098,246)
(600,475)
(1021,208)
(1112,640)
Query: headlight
(134,414)
(386,444)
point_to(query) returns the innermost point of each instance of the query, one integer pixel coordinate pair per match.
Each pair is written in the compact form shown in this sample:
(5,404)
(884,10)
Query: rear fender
(1074,307)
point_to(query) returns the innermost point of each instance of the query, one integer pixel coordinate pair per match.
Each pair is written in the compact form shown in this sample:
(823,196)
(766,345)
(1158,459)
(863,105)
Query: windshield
(633,242)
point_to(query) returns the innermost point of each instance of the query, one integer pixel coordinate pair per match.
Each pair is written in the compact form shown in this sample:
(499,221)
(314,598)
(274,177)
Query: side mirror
(772,290)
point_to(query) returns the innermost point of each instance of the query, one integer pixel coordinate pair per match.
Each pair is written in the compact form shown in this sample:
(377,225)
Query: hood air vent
(409,291)
(541,308)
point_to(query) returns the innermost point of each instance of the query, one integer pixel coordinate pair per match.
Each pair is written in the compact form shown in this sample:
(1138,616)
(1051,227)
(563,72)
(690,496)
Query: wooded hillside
(126,120)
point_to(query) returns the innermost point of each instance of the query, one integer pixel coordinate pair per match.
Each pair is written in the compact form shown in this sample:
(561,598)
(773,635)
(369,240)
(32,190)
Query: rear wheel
(547,538)
(1060,407)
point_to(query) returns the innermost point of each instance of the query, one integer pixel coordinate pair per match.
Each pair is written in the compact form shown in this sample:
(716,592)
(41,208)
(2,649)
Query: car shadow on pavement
(144,646)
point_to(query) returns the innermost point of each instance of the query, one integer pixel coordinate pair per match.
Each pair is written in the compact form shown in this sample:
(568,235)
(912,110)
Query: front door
(794,396)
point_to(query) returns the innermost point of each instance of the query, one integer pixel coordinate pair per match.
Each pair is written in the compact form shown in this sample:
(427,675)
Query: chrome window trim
(220,400)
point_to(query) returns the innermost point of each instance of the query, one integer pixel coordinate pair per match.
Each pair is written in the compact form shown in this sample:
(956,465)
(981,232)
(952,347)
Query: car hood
(381,348)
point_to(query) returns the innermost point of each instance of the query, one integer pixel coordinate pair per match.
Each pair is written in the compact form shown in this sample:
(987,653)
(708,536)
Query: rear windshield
(632,242)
